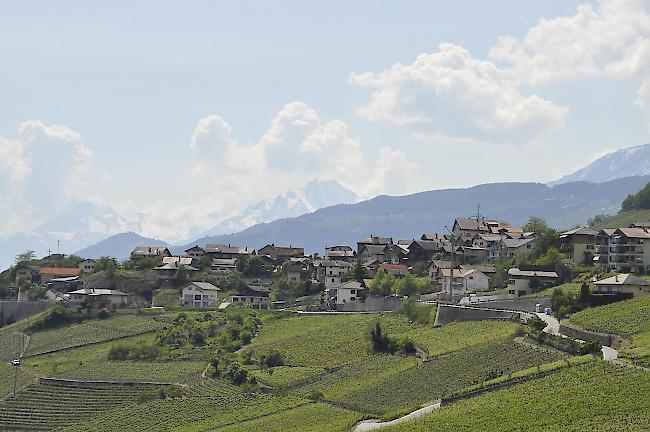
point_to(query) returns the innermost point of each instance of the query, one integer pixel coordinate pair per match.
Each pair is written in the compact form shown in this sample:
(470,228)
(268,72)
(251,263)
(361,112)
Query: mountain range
(623,163)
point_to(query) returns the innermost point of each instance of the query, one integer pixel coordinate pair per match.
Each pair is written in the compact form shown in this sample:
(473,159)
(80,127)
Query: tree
(28,255)
(382,283)
(405,286)
(181,276)
(584,299)
(638,201)
(592,346)
(358,272)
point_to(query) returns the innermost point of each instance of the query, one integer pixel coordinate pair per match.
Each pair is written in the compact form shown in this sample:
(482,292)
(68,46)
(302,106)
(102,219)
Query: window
(197,297)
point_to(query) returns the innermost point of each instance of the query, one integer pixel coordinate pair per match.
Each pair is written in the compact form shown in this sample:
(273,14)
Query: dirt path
(369,425)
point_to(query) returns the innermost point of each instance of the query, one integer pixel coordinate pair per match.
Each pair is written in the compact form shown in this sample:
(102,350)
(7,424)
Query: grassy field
(570,288)
(330,341)
(188,414)
(406,385)
(629,318)
(282,376)
(592,397)
(49,405)
(93,331)
(316,417)
(11,341)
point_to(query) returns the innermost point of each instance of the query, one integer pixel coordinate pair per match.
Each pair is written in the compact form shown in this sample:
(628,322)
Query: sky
(170,116)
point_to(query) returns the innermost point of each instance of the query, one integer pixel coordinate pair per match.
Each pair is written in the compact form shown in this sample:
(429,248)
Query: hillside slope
(563,206)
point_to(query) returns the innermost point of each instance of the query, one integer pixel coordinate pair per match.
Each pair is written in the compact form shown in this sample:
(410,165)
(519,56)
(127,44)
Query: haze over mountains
(288,218)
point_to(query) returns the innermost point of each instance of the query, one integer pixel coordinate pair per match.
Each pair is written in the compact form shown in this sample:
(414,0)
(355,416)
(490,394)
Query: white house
(330,272)
(224,266)
(109,298)
(622,283)
(344,293)
(461,282)
(87,266)
(199,294)
(520,280)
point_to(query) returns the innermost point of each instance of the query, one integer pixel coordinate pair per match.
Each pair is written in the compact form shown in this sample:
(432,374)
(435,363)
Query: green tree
(358,272)
(638,201)
(28,255)
(382,283)
(405,286)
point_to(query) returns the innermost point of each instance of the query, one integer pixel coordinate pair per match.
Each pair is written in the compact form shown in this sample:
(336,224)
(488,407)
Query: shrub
(272,359)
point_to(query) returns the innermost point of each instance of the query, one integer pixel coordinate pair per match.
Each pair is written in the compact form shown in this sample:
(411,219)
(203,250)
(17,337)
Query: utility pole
(15,363)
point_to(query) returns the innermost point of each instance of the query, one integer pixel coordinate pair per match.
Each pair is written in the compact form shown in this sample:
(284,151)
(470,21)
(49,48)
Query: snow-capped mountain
(312,196)
(623,163)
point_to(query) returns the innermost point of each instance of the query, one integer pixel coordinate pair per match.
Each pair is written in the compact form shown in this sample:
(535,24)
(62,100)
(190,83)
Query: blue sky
(179,114)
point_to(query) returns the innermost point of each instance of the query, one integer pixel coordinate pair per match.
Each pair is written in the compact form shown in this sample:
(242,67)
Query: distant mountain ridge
(563,206)
(312,196)
(118,246)
(627,162)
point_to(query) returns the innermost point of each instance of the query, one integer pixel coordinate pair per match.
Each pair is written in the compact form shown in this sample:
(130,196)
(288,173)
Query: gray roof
(428,245)
(174,266)
(224,262)
(205,286)
(483,268)
(150,250)
(228,249)
(579,231)
(350,285)
(331,263)
(515,243)
(532,273)
(623,279)
(374,248)
(372,240)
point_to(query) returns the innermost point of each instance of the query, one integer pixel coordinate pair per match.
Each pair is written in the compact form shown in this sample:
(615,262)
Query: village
(477,261)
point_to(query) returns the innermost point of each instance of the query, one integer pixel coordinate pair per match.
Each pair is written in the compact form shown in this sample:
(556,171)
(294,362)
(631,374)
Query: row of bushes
(61,315)
(382,343)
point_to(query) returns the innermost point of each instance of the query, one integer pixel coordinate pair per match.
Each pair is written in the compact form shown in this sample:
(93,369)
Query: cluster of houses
(459,263)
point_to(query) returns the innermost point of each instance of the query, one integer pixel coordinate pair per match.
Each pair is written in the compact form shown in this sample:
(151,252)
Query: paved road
(552,324)
(369,425)
(553,327)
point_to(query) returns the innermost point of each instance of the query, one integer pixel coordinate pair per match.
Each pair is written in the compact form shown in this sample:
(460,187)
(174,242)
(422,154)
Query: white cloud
(610,40)
(297,147)
(457,95)
(44,168)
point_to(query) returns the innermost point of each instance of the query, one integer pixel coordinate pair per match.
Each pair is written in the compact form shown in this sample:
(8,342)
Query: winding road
(369,425)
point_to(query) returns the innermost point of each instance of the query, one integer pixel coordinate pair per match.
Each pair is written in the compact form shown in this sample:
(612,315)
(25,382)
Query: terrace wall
(448,314)
(22,309)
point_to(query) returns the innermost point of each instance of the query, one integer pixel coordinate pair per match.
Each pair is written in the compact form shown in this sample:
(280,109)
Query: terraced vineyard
(593,397)
(408,384)
(629,318)
(164,372)
(329,341)
(24,377)
(48,405)
(92,331)
(282,376)
(318,417)
(188,414)
(11,341)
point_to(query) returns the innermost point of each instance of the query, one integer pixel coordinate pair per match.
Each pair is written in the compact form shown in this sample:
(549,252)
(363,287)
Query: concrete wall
(516,304)
(575,332)
(371,304)
(23,309)
(448,314)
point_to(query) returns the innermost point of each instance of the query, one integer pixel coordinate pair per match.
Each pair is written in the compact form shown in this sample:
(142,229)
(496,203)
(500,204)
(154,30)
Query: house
(347,292)
(529,279)
(374,248)
(488,270)
(490,242)
(227,251)
(472,254)
(195,252)
(224,266)
(397,270)
(579,244)
(435,268)
(281,253)
(512,247)
(150,252)
(199,294)
(255,297)
(108,298)
(330,272)
(462,282)
(622,283)
(434,237)
(87,265)
(168,270)
(625,250)
(297,272)
(64,284)
(48,273)
(422,250)
(26,272)
(340,253)
(370,267)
